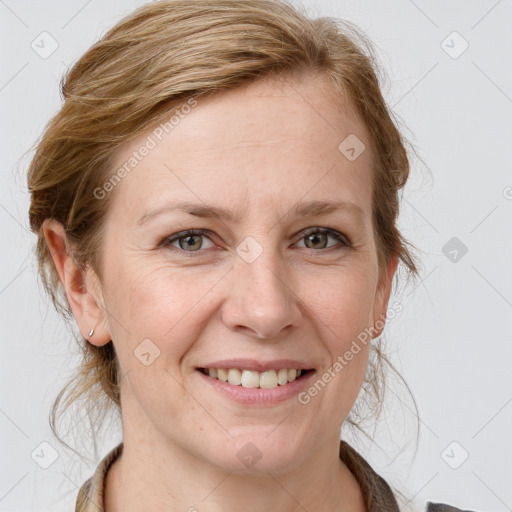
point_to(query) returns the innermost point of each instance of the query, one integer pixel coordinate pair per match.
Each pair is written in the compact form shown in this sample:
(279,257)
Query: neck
(153,476)
(156,472)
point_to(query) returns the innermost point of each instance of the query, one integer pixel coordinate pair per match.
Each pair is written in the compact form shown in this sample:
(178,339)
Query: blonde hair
(150,63)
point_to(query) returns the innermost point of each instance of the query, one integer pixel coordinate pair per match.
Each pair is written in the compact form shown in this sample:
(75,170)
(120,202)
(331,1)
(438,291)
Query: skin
(258,151)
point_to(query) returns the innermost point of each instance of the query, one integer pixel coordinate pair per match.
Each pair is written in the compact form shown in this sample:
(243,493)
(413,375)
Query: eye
(316,238)
(191,241)
(188,241)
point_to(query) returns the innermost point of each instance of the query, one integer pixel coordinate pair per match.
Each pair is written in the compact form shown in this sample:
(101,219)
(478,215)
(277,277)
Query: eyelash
(166,242)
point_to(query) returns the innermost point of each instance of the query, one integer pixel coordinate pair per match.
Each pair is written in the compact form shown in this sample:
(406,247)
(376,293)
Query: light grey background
(453,339)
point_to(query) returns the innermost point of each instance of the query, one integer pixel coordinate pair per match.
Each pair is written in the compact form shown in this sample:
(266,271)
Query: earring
(91,332)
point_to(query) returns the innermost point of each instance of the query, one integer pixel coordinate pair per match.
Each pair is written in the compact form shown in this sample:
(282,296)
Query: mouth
(268,379)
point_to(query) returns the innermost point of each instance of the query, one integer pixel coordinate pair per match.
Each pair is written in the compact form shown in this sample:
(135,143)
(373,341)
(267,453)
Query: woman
(216,205)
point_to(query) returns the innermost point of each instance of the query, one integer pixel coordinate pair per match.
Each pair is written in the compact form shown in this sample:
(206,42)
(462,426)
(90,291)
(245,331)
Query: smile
(269,379)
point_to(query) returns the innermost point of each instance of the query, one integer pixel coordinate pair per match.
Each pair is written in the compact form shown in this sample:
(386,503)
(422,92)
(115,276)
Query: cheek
(159,303)
(154,318)
(344,301)
(343,310)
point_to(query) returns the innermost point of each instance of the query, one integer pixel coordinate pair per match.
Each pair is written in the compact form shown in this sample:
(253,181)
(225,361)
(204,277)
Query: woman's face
(255,290)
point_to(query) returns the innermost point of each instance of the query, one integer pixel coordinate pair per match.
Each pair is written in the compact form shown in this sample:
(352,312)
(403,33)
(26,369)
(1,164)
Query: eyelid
(341,237)
(168,240)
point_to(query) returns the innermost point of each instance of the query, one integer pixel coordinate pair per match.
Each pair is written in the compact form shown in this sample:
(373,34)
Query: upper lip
(258,365)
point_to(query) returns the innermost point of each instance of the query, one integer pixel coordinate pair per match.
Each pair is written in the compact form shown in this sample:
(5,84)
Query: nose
(261,301)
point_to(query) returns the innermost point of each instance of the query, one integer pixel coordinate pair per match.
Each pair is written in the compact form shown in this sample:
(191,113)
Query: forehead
(275,141)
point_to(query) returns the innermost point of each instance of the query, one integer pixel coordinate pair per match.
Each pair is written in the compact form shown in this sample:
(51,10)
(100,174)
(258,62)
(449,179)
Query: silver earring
(91,332)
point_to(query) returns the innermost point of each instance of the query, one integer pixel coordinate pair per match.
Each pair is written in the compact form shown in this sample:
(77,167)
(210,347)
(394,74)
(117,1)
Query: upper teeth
(253,379)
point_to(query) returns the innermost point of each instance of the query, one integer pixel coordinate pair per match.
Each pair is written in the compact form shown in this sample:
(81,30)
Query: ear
(382,294)
(82,286)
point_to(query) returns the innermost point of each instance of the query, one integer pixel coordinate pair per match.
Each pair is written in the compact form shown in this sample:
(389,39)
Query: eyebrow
(217,212)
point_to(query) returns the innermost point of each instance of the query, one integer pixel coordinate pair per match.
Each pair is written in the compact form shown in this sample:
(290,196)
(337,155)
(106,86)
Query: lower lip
(258,396)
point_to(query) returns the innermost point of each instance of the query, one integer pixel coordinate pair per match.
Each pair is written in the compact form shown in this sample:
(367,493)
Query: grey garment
(442,507)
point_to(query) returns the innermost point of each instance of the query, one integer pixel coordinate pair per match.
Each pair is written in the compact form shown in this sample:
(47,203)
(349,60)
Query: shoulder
(378,494)
(90,495)
(443,507)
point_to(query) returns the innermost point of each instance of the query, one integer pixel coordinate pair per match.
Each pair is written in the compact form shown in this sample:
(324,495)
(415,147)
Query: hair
(149,64)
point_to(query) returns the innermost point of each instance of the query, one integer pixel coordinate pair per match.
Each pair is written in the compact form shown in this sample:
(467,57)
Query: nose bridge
(263,270)
(260,300)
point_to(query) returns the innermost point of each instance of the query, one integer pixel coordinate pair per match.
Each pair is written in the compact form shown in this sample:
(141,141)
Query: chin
(257,454)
